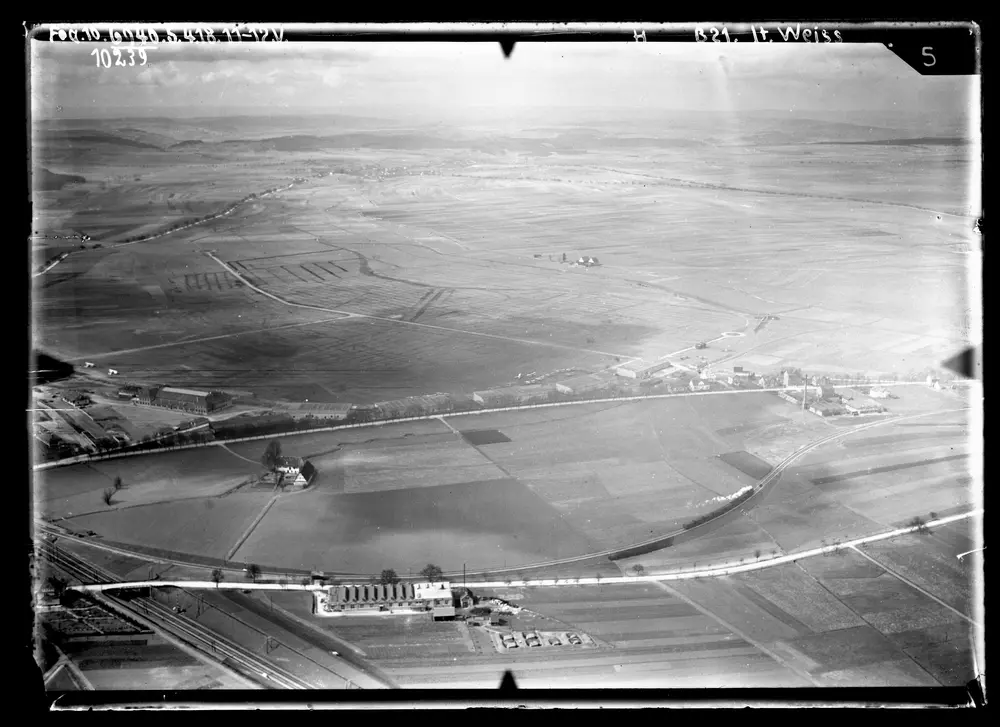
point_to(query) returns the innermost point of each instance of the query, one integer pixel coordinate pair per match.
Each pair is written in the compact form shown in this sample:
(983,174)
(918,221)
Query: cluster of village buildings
(72,429)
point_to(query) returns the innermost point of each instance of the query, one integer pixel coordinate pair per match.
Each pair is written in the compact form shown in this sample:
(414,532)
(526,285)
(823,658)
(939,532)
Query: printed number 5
(927,54)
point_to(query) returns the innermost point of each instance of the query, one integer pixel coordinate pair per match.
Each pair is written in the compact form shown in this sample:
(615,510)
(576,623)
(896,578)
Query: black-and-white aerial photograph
(441,364)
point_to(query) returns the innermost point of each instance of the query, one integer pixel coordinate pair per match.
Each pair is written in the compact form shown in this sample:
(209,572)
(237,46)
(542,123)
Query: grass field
(649,638)
(568,481)
(76,489)
(558,483)
(206,526)
(843,621)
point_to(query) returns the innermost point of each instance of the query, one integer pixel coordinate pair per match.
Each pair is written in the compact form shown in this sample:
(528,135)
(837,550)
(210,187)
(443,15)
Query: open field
(843,621)
(483,522)
(648,638)
(569,481)
(206,526)
(76,489)
(558,483)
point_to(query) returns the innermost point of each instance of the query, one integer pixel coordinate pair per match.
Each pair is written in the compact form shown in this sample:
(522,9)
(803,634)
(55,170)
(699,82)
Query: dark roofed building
(146,394)
(296,471)
(172,397)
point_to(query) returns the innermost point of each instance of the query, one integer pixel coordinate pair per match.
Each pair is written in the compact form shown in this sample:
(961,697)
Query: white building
(858,406)
(584,383)
(696,385)
(642,369)
(296,471)
(877,392)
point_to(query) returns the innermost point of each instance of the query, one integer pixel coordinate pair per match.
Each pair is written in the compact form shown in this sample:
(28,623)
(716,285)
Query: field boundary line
(400,321)
(251,528)
(914,586)
(186,341)
(737,632)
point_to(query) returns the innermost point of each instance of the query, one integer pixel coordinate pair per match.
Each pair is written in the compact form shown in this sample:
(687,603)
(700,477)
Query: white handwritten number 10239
(103,57)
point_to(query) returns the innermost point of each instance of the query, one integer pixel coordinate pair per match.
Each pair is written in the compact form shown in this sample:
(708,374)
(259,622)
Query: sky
(463,81)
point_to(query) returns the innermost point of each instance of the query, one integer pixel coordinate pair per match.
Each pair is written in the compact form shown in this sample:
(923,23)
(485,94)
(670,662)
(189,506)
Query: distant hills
(89,138)
(921,141)
(266,134)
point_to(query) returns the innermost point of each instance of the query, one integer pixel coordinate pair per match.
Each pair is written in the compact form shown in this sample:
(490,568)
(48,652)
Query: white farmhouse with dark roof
(296,471)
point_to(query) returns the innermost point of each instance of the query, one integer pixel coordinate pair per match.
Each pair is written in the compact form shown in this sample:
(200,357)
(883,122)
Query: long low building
(320,410)
(585,383)
(858,406)
(171,397)
(513,395)
(642,369)
(435,598)
(416,405)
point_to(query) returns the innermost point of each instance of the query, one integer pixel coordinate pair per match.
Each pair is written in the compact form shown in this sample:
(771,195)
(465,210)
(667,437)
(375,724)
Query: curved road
(767,482)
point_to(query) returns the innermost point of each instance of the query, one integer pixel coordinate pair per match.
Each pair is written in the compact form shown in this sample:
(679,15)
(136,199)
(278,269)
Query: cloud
(166,75)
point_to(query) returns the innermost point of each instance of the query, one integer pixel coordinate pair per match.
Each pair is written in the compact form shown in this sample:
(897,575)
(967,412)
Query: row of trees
(204,218)
(735,502)
(387,577)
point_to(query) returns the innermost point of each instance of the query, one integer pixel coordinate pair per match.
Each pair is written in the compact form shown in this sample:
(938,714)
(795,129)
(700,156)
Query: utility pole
(803,401)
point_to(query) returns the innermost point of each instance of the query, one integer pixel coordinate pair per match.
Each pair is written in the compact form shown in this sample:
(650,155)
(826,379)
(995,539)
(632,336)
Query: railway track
(191,633)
